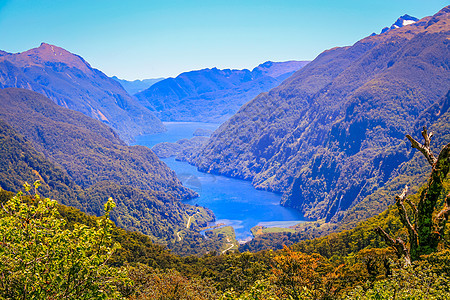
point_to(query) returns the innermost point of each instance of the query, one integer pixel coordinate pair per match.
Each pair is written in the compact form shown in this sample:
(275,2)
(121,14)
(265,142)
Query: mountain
(70,81)
(85,162)
(402,21)
(413,173)
(334,132)
(213,95)
(136,86)
(20,162)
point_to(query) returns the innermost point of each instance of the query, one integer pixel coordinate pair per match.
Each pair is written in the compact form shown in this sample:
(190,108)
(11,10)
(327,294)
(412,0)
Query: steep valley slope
(334,132)
(83,162)
(70,81)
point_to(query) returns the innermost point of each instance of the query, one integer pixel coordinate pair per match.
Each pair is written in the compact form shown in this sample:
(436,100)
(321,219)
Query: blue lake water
(234,202)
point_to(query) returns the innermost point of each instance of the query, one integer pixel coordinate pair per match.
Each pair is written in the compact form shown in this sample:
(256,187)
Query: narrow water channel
(234,202)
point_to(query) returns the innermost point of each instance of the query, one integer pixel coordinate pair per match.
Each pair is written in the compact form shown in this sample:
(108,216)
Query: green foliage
(333,133)
(261,289)
(342,271)
(20,163)
(150,207)
(413,282)
(156,284)
(40,258)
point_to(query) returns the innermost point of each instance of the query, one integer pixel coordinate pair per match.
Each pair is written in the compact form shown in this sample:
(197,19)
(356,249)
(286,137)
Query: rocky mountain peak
(401,22)
(47,53)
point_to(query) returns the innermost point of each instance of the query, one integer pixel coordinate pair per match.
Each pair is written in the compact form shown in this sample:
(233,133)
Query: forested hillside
(353,264)
(334,132)
(70,81)
(83,162)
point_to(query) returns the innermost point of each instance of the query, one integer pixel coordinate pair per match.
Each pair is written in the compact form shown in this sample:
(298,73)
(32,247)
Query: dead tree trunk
(425,229)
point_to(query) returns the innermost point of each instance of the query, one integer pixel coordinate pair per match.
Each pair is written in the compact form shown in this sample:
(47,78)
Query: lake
(234,202)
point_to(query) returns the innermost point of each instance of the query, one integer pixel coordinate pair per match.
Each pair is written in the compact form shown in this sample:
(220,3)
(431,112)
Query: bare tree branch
(414,209)
(412,232)
(403,213)
(426,223)
(424,148)
(398,244)
(425,230)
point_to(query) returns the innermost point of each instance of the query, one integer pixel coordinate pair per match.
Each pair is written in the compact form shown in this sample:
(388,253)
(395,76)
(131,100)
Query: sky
(149,39)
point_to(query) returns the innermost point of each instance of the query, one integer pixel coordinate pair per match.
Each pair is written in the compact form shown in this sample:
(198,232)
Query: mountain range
(213,95)
(70,81)
(331,138)
(136,86)
(333,133)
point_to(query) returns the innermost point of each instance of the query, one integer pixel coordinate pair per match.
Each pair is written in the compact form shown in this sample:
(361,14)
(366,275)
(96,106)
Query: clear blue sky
(148,39)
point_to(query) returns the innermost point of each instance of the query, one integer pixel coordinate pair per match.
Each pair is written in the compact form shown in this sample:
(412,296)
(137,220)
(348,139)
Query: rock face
(402,21)
(213,95)
(70,81)
(334,131)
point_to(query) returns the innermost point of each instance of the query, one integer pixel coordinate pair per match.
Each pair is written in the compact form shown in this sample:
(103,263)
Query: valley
(222,173)
(234,202)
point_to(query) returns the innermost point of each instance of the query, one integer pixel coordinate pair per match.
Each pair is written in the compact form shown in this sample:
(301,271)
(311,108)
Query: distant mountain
(402,21)
(211,94)
(334,132)
(71,82)
(136,86)
(84,162)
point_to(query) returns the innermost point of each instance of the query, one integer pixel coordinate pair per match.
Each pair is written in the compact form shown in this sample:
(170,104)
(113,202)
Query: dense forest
(331,136)
(39,237)
(358,141)
(81,162)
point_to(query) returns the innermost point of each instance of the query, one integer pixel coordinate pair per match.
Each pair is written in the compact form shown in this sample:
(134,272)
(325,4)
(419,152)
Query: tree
(41,259)
(426,225)
(297,274)
(168,284)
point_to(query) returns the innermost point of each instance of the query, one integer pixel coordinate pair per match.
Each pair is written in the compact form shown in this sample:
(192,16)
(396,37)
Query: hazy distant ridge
(212,94)
(136,86)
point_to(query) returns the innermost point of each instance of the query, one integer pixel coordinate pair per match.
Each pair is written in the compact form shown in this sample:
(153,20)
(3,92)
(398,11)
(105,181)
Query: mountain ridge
(71,82)
(212,94)
(136,86)
(402,21)
(316,137)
